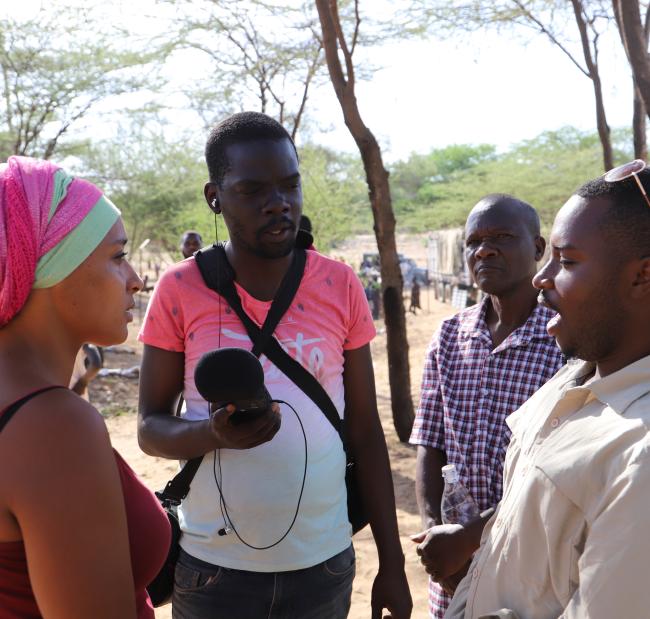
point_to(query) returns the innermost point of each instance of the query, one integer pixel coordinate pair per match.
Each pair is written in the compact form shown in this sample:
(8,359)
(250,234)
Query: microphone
(233,376)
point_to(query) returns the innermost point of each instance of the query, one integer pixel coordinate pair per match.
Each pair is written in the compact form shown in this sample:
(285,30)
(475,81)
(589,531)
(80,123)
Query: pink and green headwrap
(50,223)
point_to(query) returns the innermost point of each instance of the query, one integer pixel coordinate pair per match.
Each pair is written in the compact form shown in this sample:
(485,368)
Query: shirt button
(475,573)
(555,422)
(497,522)
(524,469)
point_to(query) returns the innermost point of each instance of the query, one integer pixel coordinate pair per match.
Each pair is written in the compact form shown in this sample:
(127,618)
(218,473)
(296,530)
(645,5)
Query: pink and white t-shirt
(261,486)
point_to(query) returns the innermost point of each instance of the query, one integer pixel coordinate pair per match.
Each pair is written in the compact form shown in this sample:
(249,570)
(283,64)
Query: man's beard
(268,253)
(277,252)
(600,332)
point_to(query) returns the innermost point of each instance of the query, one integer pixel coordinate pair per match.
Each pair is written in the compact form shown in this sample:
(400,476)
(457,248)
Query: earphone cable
(222,501)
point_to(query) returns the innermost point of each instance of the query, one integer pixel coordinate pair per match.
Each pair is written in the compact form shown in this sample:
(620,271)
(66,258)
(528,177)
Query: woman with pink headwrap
(80,536)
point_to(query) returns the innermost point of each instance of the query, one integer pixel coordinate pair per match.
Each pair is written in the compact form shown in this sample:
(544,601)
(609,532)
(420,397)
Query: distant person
(482,364)
(191,242)
(87,364)
(264,554)
(415,296)
(373,293)
(570,536)
(80,535)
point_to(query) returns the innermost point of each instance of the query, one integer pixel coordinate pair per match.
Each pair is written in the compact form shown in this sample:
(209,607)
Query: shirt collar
(620,389)
(475,325)
(533,329)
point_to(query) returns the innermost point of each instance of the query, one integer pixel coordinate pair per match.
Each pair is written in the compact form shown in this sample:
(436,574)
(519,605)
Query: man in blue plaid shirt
(482,365)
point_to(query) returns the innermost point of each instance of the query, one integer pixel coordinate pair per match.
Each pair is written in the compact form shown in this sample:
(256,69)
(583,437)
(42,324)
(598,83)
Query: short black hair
(191,233)
(529,214)
(627,220)
(241,127)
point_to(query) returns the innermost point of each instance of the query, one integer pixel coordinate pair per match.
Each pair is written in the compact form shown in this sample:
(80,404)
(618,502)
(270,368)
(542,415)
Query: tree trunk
(639,116)
(628,18)
(601,123)
(592,67)
(384,219)
(639,127)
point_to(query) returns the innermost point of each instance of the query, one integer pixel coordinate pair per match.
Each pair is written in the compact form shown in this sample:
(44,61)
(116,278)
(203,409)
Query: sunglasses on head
(628,170)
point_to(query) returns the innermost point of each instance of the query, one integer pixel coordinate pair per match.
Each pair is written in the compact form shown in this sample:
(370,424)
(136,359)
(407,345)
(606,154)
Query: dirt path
(117,399)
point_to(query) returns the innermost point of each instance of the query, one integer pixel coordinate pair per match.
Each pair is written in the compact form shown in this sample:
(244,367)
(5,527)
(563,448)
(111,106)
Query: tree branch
(330,46)
(51,144)
(633,35)
(340,35)
(311,72)
(544,30)
(584,37)
(357,23)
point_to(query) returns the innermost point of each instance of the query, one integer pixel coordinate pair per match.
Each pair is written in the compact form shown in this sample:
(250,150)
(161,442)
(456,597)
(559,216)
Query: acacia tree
(336,47)
(156,182)
(264,56)
(51,75)
(550,18)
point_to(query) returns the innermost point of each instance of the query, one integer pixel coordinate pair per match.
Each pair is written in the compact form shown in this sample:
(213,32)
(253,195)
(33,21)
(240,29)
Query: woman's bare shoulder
(54,431)
(59,413)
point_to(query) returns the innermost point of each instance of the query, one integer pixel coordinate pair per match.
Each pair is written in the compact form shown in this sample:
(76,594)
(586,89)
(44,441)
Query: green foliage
(157,184)
(409,178)
(543,171)
(53,69)
(335,195)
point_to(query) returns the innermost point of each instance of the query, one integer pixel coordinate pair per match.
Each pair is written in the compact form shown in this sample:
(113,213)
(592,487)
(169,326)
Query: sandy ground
(117,399)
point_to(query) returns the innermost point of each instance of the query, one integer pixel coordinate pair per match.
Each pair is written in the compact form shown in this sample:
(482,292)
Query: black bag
(161,587)
(218,275)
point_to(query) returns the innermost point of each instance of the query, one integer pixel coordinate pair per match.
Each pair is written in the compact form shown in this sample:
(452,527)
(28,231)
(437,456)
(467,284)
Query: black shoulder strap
(219,276)
(282,300)
(178,487)
(214,269)
(11,410)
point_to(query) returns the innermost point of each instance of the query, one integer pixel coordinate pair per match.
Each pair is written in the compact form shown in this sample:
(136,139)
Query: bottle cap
(450,473)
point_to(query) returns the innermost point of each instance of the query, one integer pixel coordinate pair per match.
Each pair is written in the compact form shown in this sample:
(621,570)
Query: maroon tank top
(149,539)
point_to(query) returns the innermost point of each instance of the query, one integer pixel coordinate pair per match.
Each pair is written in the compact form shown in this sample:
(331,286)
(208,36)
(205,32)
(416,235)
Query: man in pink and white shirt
(256,468)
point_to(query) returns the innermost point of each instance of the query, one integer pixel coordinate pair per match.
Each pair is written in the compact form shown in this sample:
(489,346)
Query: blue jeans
(206,591)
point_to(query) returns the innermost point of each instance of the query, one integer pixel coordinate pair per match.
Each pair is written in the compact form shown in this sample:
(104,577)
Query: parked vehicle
(410,270)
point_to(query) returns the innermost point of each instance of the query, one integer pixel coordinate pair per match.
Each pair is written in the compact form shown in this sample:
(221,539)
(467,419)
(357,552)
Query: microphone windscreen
(230,375)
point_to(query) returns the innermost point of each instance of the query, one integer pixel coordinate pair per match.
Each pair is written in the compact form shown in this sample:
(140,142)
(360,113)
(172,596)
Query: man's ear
(211,191)
(540,247)
(641,285)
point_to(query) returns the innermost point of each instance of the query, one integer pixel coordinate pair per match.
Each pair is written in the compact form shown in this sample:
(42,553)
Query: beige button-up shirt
(571,536)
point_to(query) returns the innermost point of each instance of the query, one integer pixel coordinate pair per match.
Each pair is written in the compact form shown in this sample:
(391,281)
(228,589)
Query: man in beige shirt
(571,535)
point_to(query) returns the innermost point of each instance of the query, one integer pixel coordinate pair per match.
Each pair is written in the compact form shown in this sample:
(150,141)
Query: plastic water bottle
(457,505)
